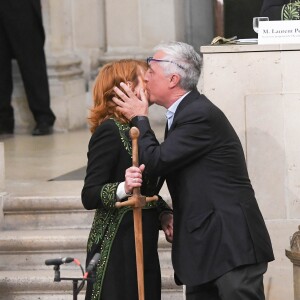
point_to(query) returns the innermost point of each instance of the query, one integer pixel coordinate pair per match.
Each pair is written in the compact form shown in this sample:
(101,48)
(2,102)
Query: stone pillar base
(294,255)
(67,92)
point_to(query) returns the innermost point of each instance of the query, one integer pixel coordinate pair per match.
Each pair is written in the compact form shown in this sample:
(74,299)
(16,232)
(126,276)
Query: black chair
(234,17)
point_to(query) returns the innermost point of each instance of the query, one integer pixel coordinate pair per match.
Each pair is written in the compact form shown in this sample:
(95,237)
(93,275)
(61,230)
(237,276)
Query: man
(221,246)
(22,37)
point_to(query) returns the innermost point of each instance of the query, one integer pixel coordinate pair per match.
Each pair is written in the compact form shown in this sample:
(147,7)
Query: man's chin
(150,101)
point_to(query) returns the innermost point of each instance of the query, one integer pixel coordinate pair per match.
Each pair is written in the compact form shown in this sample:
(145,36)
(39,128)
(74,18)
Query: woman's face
(141,82)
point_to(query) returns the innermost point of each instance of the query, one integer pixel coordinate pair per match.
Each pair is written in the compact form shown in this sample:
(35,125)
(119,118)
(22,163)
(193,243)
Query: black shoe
(42,129)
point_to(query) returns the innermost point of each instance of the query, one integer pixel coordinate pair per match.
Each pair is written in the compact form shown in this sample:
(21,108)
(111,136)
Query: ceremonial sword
(137,201)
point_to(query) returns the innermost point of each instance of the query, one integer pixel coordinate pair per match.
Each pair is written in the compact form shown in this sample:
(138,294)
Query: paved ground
(48,165)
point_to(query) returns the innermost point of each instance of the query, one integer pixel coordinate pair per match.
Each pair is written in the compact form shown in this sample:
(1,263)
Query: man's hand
(129,104)
(167,226)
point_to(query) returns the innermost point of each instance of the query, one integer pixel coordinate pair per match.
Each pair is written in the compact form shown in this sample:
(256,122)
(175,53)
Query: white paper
(247,41)
(279,32)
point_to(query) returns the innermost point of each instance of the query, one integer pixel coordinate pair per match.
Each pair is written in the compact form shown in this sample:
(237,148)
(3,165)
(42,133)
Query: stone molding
(64,67)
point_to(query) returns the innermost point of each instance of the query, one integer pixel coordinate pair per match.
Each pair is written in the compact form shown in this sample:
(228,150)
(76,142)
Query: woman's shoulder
(112,132)
(110,127)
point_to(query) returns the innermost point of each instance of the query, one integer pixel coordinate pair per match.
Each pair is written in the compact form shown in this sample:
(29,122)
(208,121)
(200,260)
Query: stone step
(28,250)
(40,228)
(40,285)
(28,213)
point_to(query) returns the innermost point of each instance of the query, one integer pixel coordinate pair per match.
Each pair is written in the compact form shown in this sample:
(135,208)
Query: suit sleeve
(190,140)
(103,152)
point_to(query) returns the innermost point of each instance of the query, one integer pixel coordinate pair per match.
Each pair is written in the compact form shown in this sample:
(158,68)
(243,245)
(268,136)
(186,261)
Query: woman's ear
(129,84)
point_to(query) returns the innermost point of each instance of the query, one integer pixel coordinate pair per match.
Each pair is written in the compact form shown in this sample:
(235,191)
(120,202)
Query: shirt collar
(174,106)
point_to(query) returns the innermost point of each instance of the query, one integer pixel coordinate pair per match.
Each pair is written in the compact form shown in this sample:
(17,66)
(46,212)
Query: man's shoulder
(195,95)
(196,99)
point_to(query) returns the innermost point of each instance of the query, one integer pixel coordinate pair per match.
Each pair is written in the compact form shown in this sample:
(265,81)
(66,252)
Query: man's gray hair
(185,61)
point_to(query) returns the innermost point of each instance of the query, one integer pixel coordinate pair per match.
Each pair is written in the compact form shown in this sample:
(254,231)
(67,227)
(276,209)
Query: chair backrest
(234,17)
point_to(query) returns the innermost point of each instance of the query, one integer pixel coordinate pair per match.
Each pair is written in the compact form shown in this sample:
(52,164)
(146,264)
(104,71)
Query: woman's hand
(133,178)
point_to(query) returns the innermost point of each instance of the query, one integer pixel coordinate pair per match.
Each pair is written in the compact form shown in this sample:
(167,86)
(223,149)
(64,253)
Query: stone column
(134,27)
(2,182)
(293,253)
(67,83)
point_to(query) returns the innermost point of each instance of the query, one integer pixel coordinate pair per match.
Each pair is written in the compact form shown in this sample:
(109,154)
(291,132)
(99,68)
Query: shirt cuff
(136,119)
(121,194)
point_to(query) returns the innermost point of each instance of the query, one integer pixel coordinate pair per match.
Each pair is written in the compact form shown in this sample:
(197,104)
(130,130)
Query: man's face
(157,82)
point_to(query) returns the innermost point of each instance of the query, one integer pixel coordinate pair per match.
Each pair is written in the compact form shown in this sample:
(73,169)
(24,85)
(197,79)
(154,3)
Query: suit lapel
(194,94)
(166,130)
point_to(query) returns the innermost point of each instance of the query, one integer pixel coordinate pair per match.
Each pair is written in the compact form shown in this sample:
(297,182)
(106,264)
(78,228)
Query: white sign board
(279,32)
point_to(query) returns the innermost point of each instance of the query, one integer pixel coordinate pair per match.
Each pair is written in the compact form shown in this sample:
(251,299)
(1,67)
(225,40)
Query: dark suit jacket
(217,222)
(273,8)
(27,12)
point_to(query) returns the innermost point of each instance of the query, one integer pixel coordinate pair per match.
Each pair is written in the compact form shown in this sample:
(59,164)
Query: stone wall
(82,35)
(257,88)
(2,168)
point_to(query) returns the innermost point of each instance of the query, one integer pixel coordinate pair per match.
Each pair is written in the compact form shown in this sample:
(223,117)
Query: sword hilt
(132,201)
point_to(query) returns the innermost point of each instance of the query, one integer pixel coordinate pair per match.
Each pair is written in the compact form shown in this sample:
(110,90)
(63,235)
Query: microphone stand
(76,289)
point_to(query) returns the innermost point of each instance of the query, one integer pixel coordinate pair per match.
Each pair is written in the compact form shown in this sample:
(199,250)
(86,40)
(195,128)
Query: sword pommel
(134,133)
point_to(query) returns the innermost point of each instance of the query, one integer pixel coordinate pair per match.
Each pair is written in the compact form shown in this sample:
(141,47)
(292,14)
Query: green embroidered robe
(291,11)
(109,155)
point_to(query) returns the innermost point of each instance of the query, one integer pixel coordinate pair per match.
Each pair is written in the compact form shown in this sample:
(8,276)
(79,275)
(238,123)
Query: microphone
(91,266)
(58,261)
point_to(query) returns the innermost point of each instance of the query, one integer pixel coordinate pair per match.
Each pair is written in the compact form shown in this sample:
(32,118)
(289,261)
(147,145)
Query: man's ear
(174,80)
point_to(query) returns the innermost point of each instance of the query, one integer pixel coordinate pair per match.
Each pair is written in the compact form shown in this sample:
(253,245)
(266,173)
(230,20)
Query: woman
(281,9)
(112,233)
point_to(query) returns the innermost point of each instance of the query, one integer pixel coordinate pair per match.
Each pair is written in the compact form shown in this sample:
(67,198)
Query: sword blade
(138,237)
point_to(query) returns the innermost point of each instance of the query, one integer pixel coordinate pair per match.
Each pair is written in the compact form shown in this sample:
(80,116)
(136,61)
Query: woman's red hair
(110,75)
